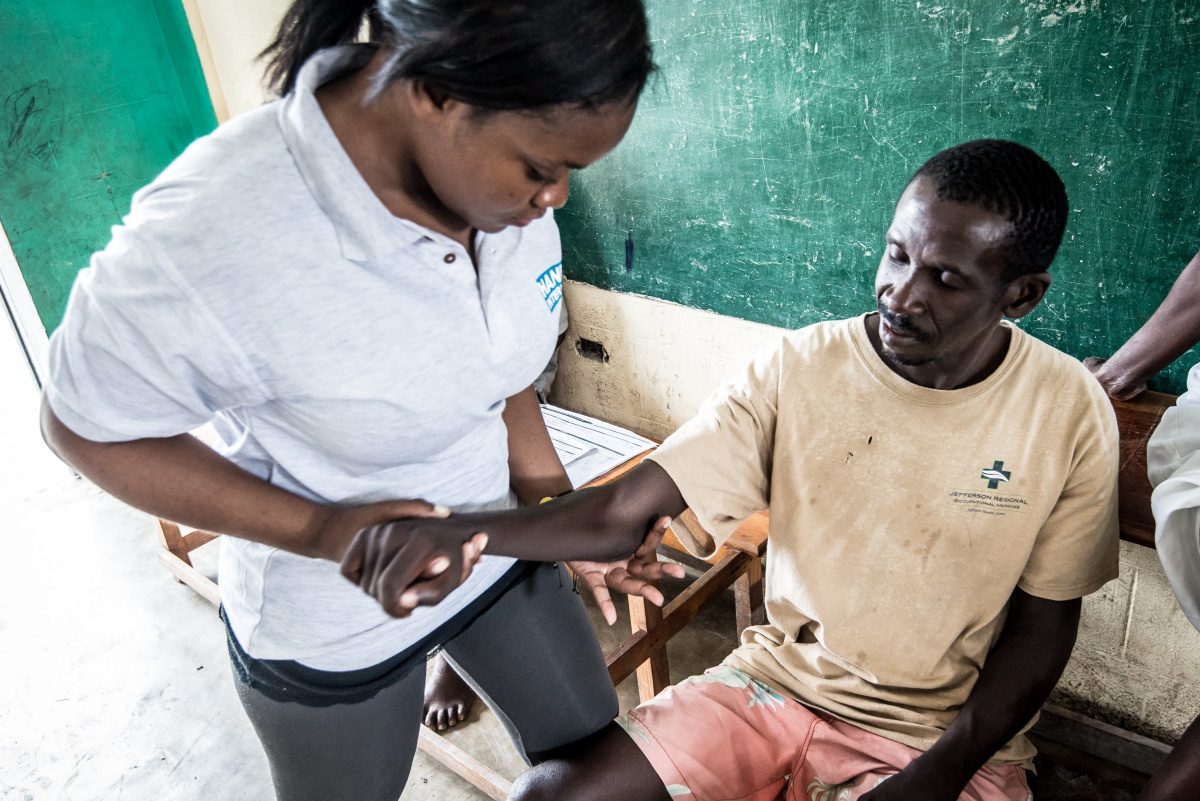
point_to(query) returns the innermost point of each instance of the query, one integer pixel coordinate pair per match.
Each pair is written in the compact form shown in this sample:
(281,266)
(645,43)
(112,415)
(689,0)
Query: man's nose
(554,195)
(906,294)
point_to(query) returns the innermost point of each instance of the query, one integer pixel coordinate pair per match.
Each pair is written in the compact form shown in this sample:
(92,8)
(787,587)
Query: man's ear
(1024,294)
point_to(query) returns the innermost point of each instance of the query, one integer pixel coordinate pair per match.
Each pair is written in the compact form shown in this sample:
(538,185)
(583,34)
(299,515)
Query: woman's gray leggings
(532,657)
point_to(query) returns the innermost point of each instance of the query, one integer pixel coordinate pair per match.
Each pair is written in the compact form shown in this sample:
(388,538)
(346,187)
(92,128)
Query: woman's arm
(536,472)
(181,479)
(1168,334)
(599,524)
(534,469)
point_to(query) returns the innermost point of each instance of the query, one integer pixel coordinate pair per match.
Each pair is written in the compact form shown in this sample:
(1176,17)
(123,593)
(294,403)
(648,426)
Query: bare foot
(448,699)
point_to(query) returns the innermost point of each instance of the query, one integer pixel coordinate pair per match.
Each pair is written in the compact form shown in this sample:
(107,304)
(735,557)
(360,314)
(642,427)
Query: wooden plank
(1100,739)
(677,614)
(465,765)
(653,675)
(192,577)
(1137,419)
(748,596)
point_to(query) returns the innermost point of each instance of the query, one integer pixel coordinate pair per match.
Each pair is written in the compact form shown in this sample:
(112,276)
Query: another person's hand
(632,576)
(1117,383)
(403,564)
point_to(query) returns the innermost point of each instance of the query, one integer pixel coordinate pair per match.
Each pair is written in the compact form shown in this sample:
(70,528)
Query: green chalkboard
(98,97)
(763,165)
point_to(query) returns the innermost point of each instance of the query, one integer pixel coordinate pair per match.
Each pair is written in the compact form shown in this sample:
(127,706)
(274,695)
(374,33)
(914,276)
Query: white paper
(588,447)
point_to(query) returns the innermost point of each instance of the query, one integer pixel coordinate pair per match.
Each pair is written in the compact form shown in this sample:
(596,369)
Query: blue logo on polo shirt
(551,286)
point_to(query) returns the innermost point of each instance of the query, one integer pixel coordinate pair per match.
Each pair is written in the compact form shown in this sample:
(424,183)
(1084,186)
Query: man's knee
(607,766)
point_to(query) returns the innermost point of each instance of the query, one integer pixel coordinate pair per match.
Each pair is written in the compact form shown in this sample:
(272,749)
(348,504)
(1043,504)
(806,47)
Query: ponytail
(511,55)
(309,26)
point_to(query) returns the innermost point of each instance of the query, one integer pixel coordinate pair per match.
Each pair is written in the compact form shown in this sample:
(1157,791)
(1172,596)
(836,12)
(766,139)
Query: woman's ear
(1024,294)
(426,101)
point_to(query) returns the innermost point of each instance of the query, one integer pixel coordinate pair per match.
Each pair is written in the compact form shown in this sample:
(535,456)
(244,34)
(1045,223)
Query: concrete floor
(114,682)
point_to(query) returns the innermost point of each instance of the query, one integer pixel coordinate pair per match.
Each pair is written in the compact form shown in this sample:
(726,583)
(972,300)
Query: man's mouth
(899,326)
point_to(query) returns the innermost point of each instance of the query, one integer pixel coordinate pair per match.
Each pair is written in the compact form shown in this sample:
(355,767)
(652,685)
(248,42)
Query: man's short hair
(1010,180)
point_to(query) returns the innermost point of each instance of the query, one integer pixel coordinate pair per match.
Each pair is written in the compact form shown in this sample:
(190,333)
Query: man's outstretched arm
(600,524)
(1014,682)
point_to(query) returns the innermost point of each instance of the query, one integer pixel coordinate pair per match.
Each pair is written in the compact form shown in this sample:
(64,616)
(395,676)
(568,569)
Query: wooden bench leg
(653,675)
(748,597)
(465,765)
(174,556)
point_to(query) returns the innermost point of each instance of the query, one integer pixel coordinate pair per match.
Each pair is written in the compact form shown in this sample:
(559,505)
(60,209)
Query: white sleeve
(139,353)
(1173,464)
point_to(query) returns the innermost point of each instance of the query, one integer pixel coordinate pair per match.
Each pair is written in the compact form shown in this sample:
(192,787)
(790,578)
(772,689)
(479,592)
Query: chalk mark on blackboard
(29,125)
(885,143)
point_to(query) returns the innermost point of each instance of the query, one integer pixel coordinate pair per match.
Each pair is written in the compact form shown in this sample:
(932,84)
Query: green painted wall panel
(98,97)
(761,171)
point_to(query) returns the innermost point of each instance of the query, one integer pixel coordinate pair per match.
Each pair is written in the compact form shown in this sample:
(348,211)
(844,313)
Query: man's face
(938,288)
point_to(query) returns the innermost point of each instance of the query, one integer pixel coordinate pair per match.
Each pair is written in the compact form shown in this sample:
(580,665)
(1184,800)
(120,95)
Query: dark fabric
(531,654)
(287,680)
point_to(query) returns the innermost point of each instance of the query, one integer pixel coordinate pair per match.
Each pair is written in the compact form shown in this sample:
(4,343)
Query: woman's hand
(405,563)
(632,576)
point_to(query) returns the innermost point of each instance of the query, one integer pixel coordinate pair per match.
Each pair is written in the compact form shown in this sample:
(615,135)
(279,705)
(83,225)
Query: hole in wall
(590,349)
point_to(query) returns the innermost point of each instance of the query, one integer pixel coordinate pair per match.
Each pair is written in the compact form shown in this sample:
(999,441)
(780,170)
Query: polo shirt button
(449,258)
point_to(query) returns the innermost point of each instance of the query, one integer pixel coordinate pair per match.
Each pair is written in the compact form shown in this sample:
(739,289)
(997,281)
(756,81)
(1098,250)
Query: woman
(349,283)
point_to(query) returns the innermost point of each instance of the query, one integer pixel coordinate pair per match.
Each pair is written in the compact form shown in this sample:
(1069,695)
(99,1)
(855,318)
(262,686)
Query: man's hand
(632,576)
(920,781)
(404,564)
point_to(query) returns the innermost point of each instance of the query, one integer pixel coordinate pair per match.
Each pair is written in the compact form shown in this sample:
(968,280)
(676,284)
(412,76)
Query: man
(942,494)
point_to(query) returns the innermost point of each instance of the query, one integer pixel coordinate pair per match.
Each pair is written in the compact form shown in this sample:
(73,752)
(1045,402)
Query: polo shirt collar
(365,229)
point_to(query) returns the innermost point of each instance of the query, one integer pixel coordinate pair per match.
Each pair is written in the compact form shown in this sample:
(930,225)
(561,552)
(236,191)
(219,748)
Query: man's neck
(948,373)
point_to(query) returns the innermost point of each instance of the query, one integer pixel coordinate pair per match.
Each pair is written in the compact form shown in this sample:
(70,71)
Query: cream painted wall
(1137,661)
(229,36)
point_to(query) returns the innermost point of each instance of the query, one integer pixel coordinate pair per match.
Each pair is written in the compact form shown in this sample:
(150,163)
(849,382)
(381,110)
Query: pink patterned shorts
(724,736)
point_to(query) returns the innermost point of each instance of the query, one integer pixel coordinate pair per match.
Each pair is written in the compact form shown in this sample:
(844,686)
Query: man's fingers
(653,537)
(416,508)
(352,560)
(595,582)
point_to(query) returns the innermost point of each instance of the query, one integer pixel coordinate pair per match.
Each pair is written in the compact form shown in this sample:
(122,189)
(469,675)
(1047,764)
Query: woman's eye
(534,175)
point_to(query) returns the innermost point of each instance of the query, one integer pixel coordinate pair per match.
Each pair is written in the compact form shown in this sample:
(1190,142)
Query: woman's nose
(554,195)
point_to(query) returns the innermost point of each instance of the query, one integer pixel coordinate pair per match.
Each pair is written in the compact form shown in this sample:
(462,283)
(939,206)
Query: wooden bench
(1137,419)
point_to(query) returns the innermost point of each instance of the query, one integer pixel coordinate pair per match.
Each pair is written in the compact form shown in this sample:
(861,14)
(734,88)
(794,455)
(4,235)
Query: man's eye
(896,253)
(948,279)
(534,175)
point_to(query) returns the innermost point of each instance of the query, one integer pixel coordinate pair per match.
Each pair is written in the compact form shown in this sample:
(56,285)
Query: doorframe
(21,312)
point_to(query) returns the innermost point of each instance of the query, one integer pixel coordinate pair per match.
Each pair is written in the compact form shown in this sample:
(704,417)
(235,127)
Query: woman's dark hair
(492,54)
(1011,180)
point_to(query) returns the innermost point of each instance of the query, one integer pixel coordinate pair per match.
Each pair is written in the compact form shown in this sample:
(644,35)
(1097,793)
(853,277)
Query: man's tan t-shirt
(902,517)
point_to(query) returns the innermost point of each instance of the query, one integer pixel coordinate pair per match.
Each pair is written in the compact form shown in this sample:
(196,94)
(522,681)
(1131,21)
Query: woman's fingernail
(481,542)
(409,598)
(439,565)
(441,511)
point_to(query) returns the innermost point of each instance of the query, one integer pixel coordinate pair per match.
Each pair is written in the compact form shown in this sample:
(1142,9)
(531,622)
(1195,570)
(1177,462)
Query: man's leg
(607,766)
(1178,778)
